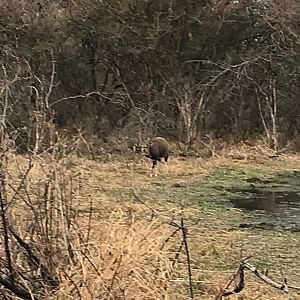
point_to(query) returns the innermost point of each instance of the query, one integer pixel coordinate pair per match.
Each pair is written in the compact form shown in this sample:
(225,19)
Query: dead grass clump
(120,261)
(95,247)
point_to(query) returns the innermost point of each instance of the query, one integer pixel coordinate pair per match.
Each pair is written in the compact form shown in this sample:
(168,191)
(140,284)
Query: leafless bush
(50,242)
(35,196)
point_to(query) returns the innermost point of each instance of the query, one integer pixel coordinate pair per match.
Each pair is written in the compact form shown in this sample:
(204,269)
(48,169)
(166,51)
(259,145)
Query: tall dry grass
(95,247)
(123,260)
(99,247)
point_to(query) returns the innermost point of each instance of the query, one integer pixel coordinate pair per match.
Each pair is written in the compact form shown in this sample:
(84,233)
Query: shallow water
(276,202)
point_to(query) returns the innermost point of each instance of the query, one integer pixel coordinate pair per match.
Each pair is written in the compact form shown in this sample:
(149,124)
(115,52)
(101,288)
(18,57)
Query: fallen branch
(15,287)
(281,286)
(239,280)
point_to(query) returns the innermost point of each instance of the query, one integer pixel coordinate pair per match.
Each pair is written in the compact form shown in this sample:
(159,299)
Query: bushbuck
(156,149)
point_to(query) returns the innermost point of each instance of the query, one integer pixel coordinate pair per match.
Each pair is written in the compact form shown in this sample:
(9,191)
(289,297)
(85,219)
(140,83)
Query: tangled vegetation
(81,82)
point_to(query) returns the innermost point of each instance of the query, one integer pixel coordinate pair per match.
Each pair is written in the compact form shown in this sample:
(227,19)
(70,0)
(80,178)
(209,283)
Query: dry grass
(119,248)
(119,245)
(125,261)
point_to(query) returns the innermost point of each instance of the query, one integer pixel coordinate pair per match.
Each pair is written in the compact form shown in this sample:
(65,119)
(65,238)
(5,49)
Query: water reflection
(282,206)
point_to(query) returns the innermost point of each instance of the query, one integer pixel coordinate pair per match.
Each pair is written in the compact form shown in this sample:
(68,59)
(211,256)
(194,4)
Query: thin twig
(170,220)
(5,237)
(115,275)
(184,235)
(177,254)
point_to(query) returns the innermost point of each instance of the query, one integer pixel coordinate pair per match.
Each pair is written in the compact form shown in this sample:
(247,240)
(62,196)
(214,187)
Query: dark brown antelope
(156,149)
